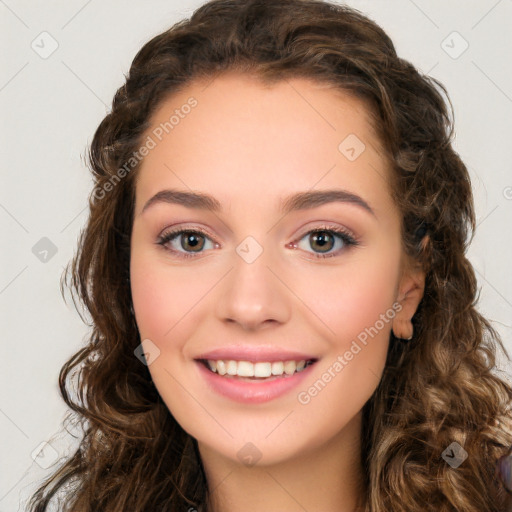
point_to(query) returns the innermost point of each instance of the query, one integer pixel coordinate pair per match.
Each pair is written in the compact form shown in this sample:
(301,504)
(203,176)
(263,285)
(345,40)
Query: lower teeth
(259,378)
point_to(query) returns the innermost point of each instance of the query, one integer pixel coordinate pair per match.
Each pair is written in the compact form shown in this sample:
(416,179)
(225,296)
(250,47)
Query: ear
(410,293)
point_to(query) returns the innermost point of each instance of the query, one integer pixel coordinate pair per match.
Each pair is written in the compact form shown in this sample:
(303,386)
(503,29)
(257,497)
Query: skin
(249,146)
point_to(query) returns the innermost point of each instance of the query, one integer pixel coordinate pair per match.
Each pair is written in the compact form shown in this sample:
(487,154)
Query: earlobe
(410,293)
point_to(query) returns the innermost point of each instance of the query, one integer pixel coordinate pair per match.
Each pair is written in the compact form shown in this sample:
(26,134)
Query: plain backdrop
(61,65)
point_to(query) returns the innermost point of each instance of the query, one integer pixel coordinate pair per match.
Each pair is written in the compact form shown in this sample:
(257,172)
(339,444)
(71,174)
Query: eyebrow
(295,202)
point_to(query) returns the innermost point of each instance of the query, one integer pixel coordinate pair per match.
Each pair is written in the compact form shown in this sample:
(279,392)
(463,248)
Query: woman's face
(256,280)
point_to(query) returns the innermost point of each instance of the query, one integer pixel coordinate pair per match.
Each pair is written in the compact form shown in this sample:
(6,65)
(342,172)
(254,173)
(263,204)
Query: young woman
(284,315)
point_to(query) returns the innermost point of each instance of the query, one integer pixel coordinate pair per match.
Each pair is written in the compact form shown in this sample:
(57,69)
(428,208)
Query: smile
(237,383)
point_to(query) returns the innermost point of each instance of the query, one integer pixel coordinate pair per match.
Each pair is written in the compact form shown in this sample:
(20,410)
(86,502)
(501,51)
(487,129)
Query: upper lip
(254,354)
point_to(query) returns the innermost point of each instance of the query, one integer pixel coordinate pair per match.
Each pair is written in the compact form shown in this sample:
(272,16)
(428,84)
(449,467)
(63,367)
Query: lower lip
(252,392)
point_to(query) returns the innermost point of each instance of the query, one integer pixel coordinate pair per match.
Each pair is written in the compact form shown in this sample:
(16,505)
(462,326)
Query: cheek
(163,299)
(153,303)
(358,312)
(160,299)
(352,297)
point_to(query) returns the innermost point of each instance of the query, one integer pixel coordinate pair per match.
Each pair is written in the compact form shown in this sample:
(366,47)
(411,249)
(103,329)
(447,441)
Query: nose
(253,294)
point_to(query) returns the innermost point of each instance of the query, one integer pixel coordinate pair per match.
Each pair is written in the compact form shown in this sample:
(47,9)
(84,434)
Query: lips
(249,389)
(252,391)
(254,354)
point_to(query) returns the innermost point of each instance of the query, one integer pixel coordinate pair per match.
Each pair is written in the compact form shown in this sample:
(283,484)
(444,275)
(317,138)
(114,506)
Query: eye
(324,239)
(194,242)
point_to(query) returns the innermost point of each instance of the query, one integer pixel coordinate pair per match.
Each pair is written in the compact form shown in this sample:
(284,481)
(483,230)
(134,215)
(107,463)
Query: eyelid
(326,226)
(179,228)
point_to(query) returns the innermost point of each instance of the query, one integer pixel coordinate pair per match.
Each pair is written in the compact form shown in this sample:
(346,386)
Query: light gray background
(52,106)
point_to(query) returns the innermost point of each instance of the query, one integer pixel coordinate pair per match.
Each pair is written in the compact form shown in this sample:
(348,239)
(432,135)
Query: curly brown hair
(437,389)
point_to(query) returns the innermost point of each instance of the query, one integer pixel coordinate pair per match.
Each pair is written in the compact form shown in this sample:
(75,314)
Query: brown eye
(323,240)
(327,242)
(192,241)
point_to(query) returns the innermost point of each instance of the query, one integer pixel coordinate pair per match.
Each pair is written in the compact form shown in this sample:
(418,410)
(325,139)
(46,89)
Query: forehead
(241,133)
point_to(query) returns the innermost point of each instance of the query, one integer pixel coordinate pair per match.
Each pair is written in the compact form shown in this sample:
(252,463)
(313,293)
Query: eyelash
(348,240)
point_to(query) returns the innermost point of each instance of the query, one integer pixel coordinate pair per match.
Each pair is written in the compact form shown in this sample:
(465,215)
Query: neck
(328,478)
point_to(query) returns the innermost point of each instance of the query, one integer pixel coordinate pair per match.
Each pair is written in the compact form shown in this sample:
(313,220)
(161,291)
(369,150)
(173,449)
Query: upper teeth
(248,369)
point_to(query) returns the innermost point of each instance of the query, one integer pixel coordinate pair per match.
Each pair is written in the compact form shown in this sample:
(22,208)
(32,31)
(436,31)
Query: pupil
(321,238)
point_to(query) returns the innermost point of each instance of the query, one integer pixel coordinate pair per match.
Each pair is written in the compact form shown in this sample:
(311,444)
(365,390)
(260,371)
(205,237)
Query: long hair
(438,389)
